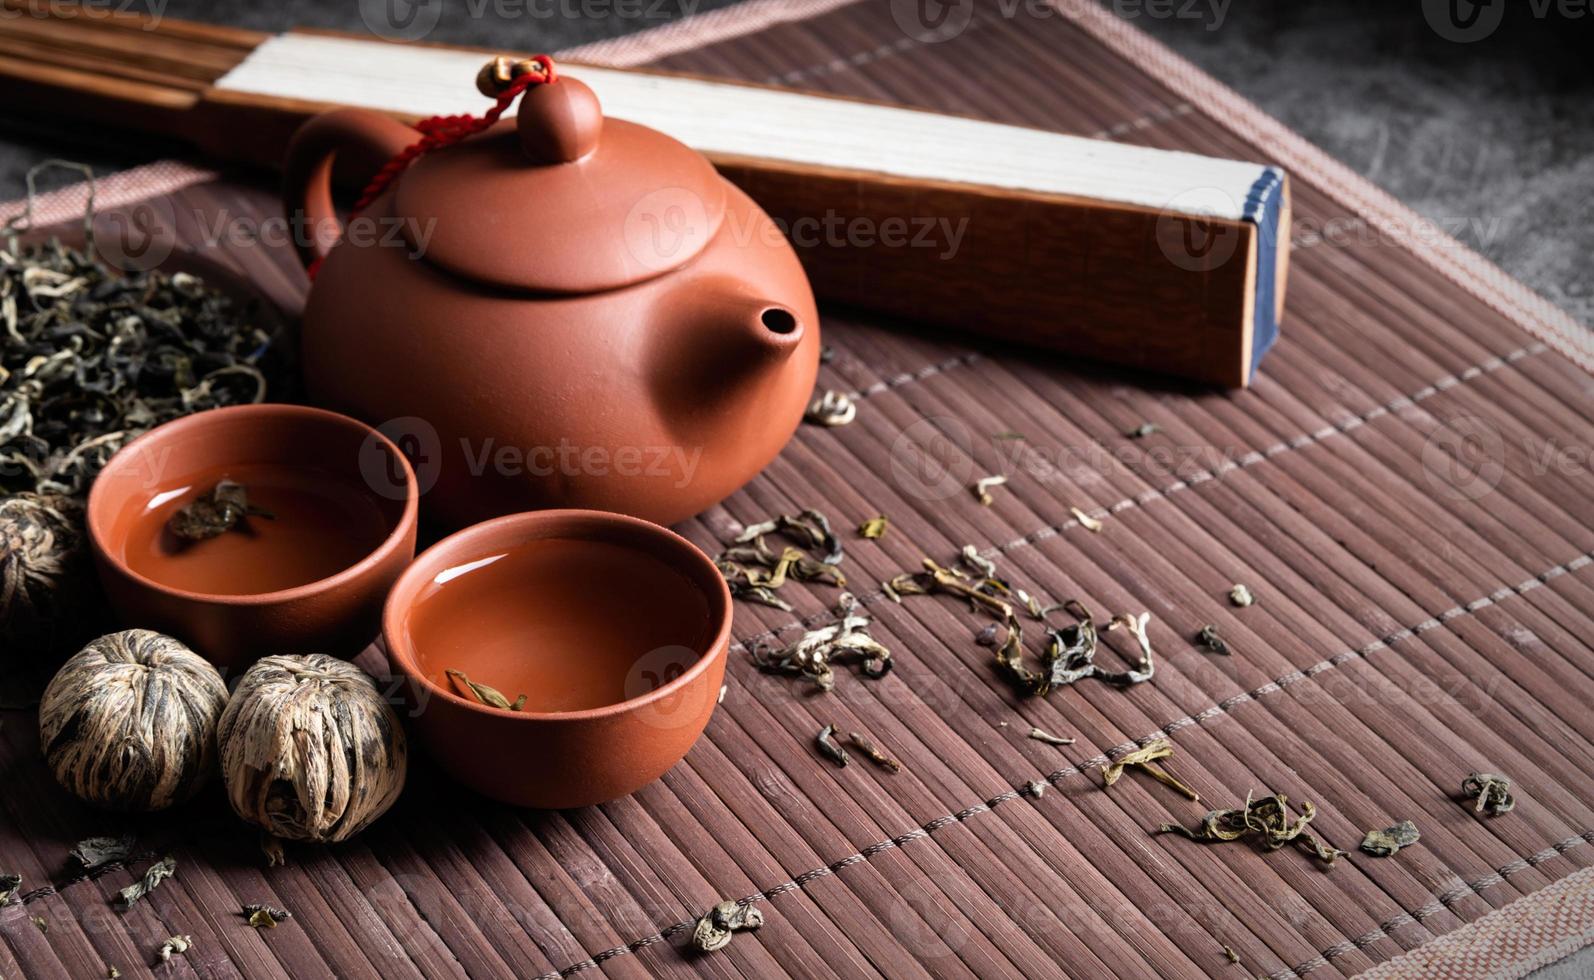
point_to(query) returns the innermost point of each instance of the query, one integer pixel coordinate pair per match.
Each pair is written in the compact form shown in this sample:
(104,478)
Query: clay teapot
(562,310)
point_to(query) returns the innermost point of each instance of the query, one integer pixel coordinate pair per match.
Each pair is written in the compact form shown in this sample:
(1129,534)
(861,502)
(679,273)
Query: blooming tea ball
(129,722)
(43,565)
(310,750)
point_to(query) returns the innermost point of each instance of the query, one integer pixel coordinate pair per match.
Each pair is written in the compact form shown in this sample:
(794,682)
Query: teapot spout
(765,331)
(718,346)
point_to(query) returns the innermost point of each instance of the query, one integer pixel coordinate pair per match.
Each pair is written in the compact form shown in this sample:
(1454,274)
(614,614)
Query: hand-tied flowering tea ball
(130,721)
(309,748)
(43,565)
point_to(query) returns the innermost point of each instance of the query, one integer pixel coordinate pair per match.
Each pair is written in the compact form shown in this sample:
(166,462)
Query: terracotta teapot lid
(561,199)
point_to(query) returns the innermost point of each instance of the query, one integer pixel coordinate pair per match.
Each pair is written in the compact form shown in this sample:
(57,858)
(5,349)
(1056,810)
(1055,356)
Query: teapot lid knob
(559,123)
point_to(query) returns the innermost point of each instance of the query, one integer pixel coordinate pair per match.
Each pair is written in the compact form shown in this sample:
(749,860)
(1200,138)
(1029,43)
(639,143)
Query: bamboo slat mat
(1418,618)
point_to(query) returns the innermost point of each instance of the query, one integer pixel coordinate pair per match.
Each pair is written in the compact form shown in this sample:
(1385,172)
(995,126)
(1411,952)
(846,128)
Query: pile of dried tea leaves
(755,571)
(1070,651)
(814,654)
(91,357)
(1267,820)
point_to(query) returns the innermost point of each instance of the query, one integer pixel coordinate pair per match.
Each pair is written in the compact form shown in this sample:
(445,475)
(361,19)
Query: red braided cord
(440,131)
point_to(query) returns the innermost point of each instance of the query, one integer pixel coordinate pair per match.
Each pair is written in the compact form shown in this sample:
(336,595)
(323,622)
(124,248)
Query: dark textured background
(1493,139)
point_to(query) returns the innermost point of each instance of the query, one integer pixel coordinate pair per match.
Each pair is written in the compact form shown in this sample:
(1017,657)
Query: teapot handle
(359,142)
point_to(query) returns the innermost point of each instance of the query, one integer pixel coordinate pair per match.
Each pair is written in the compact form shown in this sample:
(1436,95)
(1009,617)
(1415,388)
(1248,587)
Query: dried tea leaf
(1036,788)
(1267,819)
(1241,596)
(1209,638)
(519,704)
(174,946)
(830,409)
(41,923)
(481,692)
(265,916)
(1230,955)
(874,753)
(1384,843)
(754,570)
(828,747)
(814,654)
(271,847)
(1069,654)
(1493,793)
(983,486)
(10,884)
(1142,759)
(874,528)
(1086,521)
(112,973)
(153,876)
(96,852)
(721,698)
(827,354)
(1047,737)
(220,509)
(1143,429)
(715,929)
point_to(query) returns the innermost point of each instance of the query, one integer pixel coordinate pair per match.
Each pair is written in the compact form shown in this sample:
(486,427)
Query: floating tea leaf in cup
(215,512)
(983,486)
(1044,736)
(715,929)
(571,623)
(830,409)
(480,692)
(829,748)
(1240,595)
(1086,521)
(199,531)
(1493,793)
(1384,843)
(874,753)
(874,528)
(1142,759)
(1209,638)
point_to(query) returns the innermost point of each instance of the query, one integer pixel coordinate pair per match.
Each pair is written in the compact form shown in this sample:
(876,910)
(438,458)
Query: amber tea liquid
(570,624)
(323,523)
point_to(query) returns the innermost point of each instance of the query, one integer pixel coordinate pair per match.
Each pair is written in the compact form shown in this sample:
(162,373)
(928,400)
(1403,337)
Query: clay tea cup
(254,530)
(600,638)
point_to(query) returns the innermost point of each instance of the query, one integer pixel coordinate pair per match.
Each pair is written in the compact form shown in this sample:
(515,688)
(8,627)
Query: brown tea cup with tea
(560,658)
(254,530)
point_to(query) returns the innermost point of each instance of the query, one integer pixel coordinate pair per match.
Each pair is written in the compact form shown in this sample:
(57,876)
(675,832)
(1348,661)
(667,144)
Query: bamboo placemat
(1418,618)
